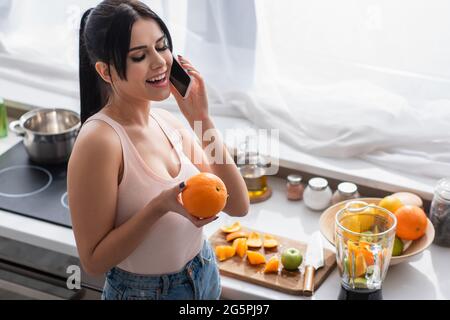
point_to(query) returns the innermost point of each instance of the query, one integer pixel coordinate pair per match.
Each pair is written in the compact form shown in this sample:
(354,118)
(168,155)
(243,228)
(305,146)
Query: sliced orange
(352,247)
(231,228)
(365,250)
(225,252)
(255,257)
(270,241)
(358,258)
(240,244)
(272,265)
(235,235)
(254,240)
(360,265)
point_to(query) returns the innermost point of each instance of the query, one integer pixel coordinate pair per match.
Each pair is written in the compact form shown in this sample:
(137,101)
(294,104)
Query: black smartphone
(180,79)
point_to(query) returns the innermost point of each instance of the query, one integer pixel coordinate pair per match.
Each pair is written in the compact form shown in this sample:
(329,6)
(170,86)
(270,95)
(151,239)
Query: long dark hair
(105,34)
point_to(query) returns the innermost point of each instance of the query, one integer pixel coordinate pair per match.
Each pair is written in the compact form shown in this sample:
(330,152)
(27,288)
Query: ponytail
(92,90)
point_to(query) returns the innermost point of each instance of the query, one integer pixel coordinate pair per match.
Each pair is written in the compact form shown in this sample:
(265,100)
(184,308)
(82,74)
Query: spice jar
(440,213)
(317,195)
(345,191)
(294,187)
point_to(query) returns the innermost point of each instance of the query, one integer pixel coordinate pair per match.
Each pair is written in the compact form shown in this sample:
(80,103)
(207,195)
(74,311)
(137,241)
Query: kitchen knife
(313,261)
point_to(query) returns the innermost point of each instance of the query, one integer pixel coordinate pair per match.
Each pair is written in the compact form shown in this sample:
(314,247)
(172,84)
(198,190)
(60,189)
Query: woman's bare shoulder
(98,132)
(97,141)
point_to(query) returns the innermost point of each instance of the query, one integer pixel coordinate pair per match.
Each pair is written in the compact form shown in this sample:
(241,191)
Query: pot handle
(17,128)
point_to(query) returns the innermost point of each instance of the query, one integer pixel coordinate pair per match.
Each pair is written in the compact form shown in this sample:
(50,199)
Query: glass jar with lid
(440,212)
(294,187)
(317,195)
(253,167)
(345,191)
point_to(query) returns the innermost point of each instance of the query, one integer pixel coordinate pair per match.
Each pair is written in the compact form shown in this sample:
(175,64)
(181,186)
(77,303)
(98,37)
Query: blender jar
(364,238)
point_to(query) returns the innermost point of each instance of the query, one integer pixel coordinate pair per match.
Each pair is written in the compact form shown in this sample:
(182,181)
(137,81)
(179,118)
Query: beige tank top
(173,240)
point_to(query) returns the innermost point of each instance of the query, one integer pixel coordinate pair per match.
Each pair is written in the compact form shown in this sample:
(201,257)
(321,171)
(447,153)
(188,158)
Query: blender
(364,238)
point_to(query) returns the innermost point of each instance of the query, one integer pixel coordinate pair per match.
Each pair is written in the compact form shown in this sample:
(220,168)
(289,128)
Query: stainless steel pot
(49,134)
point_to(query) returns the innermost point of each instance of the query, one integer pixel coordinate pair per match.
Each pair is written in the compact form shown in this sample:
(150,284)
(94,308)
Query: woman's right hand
(170,200)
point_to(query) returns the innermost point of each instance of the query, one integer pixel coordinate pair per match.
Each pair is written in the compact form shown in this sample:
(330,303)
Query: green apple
(291,259)
(397,248)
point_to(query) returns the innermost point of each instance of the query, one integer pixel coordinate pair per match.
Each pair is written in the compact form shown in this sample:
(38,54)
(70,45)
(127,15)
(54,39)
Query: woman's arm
(211,156)
(221,163)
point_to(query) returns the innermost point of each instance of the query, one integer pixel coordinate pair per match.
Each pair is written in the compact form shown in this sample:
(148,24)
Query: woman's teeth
(157,79)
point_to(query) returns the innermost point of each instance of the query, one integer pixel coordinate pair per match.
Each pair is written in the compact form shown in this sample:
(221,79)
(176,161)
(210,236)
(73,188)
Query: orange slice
(362,248)
(254,240)
(270,241)
(235,235)
(272,265)
(225,252)
(360,266)
(255,257)
(232,228)
(367,253)
(240,244)
(357,259)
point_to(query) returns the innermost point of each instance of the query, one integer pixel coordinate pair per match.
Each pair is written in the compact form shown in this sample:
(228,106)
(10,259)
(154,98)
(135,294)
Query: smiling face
(149,62)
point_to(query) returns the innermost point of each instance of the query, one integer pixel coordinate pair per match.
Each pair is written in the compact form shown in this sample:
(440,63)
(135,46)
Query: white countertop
(425,278)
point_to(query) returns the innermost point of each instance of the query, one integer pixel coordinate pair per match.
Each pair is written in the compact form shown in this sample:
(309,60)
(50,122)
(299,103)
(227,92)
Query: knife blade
(313,261)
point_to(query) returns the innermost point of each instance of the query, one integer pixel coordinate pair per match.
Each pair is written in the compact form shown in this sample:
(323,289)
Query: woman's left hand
(195,106)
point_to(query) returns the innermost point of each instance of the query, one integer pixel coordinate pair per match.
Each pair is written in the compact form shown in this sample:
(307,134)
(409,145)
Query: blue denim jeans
(199,280)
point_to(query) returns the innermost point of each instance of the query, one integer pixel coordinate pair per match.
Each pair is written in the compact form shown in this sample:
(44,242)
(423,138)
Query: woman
(130,161)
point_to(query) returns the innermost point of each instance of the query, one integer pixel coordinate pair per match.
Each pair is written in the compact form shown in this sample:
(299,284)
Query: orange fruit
(360,266)
(240,244)
(235,227)
(255,257)
(235,235)
(270,241)
(411,222)
(254,240)
(205,195)
(272,265)
(391,203)
(365,250)
(225,252)
(358,252)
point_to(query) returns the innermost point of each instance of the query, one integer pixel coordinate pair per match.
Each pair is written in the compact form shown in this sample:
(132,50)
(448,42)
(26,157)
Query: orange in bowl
(205,195)
(411,222)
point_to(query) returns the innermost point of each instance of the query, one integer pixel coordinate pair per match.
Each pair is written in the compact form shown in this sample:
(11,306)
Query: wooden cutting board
(285,281)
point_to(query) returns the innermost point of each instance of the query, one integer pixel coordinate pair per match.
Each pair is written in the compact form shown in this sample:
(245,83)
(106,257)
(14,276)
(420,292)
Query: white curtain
(350,78)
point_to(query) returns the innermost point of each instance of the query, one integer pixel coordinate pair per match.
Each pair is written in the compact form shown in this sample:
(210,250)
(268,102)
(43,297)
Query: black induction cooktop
(33,190)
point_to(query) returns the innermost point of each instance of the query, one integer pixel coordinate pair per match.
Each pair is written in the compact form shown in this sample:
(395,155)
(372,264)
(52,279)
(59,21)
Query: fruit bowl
(327,225)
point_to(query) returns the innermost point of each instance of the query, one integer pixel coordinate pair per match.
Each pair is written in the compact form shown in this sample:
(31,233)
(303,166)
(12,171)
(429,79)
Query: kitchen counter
(424,278)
